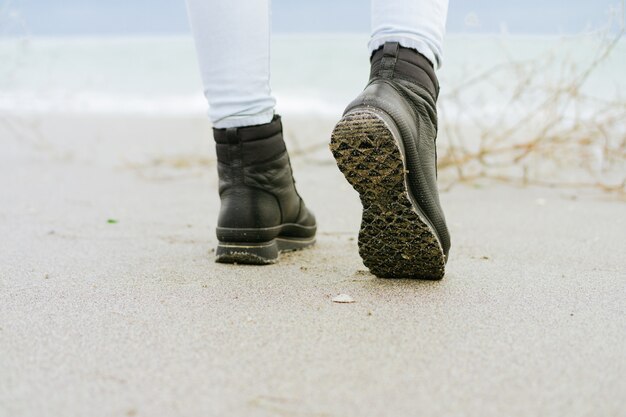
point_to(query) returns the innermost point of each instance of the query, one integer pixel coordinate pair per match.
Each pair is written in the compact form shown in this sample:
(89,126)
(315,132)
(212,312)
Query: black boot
(261,212)
(385,147)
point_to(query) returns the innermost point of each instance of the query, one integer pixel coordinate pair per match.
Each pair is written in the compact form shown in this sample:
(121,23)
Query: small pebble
(343,298)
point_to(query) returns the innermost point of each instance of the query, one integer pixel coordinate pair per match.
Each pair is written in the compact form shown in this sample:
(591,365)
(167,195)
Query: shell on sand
(343,298)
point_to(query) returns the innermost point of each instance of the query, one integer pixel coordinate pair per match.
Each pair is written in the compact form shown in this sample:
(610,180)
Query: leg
(416,24)
(233,43)
(261,213)
(385,144)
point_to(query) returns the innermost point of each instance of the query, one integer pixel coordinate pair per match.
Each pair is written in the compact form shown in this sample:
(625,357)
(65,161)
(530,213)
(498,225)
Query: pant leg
(232,39)
(417,24)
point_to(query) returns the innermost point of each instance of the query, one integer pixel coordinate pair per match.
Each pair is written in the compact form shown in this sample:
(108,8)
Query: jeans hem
(244,120)
(408,42)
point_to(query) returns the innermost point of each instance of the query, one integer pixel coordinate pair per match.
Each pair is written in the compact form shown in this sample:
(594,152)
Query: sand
(111,304)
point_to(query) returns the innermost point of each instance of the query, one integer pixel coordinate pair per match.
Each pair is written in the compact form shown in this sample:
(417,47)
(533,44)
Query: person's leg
(261,212)
(415,24)
(232,39)
(385,143)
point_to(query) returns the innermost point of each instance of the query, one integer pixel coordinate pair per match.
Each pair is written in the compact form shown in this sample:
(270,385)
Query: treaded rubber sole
(259,253)
(395,241)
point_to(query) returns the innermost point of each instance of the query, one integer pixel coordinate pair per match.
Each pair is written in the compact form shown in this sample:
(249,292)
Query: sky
(124,17)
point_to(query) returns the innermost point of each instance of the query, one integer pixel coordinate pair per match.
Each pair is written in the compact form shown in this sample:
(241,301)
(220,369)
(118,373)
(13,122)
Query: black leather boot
(261,212)
(385,147)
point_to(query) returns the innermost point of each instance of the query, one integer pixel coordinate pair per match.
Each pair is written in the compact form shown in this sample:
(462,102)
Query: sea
(310,73)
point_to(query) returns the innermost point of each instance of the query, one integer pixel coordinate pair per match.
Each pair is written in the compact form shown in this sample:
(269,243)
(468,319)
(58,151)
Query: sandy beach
(111,304)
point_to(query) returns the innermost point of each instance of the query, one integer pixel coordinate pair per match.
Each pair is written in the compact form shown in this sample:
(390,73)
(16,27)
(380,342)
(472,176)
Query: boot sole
(259,253)
(395,240)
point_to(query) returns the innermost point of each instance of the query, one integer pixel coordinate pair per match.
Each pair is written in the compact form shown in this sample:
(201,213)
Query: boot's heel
(255,253)
(260,253)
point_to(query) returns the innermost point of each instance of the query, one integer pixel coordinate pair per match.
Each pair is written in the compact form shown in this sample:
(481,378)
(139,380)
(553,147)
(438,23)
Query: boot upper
(256,184)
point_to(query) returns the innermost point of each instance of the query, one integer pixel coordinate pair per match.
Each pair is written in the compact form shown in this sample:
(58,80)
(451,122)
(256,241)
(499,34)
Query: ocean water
(310,73)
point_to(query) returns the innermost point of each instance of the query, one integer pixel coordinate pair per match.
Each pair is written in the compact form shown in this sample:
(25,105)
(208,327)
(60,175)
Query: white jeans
(233,43)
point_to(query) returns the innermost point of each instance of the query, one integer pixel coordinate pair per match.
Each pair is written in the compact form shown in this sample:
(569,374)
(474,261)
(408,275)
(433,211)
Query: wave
(96,102)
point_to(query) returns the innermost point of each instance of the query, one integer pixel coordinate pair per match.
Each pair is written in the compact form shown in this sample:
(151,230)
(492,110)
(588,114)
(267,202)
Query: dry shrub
(546,131)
